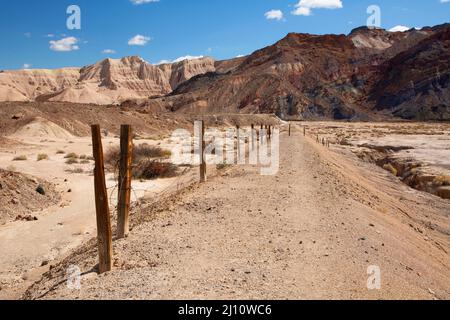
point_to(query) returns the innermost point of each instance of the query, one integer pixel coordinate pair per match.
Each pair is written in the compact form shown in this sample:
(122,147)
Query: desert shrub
(75,171)
(42,156)
(71,161)
(154,169)
(146,151)
(223,165)
(83,157)
(85,161)
(71,155)
(140,153)
(20,158)
(389,167)
(442,181)
(60,152)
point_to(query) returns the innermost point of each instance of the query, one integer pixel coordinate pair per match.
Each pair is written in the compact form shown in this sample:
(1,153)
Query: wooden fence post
(289,129)
(304,131)
(202,146)
(253,137)
(123,206)
(104,233)
(238,137)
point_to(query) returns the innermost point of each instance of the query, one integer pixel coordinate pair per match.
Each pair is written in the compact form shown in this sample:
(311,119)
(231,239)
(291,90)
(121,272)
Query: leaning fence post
(123,206)
(104,233)
(202,146)
(289,129)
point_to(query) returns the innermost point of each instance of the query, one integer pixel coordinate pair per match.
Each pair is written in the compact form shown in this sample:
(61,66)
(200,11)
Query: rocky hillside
(366,75)
(369,74)
(416,83)
(107,82)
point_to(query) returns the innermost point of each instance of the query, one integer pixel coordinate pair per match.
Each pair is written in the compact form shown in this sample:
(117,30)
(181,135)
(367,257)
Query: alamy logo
(374,280)
(73,277)
(74,20)
(232,146)
(374,20)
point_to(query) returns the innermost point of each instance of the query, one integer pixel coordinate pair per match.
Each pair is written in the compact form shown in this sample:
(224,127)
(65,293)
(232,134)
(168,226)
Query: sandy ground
(309,232)
(29,248)
(428,143)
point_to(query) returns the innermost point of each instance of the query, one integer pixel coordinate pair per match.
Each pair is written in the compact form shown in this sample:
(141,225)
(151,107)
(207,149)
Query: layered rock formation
(369,74)
(107,82)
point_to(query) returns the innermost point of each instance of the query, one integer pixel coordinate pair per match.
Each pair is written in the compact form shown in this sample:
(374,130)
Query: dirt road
(309,232)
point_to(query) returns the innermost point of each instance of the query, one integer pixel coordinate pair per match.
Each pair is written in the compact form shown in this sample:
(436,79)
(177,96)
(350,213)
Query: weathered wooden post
(304,131)
(253,137)
(269,132)
(123,206)
(289,129)
(104,233)
(238,137)
(202,146)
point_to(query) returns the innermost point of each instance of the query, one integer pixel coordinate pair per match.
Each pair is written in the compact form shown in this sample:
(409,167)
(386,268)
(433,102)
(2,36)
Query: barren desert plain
(374,194)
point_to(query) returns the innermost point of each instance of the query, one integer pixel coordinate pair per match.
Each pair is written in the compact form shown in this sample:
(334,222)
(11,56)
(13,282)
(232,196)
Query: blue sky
(34,33)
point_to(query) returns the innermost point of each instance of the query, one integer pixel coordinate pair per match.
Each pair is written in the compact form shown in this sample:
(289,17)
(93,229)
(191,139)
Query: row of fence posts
(202,144)
(104,229)
(324,141)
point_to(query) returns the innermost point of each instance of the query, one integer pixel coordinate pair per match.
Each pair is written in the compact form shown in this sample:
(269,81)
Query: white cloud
(139,40)
(108,51)
(399,29)
(27,34)
(302,11)
(50,35)
(305,7)
(26,66)
(188,57)
(274,15)
(139,2)
(445,1)
(64,45)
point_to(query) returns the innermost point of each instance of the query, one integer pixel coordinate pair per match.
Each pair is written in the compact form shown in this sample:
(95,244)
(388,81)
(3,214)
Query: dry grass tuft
(442,181)
(20,158)
(71,155)
(42,156)
(389,167)
(71,161)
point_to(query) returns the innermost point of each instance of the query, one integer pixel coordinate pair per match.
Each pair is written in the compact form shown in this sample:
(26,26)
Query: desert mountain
(107,82)
(368,74)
